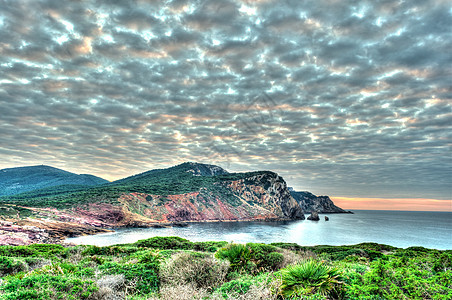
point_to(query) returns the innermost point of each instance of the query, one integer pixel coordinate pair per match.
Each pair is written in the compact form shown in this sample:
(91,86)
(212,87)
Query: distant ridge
(310,202)
(24,179)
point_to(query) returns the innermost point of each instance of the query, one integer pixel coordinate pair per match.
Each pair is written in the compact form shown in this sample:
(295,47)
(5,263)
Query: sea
(396,228)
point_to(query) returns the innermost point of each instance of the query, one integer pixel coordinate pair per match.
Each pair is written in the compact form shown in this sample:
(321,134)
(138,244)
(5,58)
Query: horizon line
(393,204)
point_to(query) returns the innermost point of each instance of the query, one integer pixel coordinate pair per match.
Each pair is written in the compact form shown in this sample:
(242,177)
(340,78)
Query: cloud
(342,98)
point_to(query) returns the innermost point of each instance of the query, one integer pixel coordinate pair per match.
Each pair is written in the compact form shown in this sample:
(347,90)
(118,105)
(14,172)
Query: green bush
(44,286)
(194,268)
(238,255)
(65,268)
(208,246)
(265,256)
(109,250)
(311,277)
(49,250)
(143,274)
(165,242)
(10,266)
(403,277)
(17,251)
(251,258)
(42,250)
(242,285)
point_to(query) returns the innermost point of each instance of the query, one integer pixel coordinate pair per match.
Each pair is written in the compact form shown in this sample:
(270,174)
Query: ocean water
(397,228)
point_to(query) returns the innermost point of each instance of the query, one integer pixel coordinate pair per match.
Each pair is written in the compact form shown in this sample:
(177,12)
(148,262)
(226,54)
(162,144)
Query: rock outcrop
(314,216)
(321,204)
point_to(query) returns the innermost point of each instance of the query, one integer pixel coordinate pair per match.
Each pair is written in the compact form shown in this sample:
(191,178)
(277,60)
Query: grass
(175,268)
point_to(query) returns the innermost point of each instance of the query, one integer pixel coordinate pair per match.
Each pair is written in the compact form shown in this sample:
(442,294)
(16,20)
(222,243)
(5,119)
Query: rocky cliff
(310,202)
(257,197)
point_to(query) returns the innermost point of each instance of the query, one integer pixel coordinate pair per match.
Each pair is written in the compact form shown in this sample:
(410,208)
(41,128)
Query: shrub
(143,276)
(10,266)
(108,250)
(263,286)
(252,257)
(17,251)
(49,250)
(311,277)
(165,242)
(64,268)
(44,286)
(237,254)
(208,246)
(196,269)
(36,262)
(110,287)
(265,256)
(292,258)
(402,277)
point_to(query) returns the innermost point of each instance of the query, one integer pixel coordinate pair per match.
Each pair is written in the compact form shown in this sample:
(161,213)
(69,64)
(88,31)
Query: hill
(189,192)
(23,179)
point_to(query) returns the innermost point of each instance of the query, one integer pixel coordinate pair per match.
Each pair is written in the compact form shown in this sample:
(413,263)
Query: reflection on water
(400,229)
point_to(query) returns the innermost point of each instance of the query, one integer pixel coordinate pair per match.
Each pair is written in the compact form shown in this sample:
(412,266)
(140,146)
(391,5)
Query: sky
(350,99)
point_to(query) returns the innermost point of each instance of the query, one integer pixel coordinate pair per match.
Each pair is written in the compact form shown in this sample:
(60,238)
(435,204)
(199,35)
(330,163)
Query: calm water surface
(396,228)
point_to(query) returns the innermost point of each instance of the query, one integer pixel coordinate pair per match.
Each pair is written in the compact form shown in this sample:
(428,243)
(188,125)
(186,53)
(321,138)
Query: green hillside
(175,180)
(23,179)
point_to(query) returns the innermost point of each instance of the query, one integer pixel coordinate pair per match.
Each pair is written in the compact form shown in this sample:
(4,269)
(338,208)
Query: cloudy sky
(345,98)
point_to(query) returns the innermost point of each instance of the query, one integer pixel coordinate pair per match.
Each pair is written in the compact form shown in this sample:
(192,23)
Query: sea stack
(314,216)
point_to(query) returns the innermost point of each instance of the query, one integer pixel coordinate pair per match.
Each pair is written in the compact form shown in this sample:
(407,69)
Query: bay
(397,228)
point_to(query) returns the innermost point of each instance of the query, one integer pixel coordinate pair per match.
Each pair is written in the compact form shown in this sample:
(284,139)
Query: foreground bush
(425,276)
(311,277)
(238,255)
(10,265)
(251,258)
(44,286)
(194,269)
(263,286)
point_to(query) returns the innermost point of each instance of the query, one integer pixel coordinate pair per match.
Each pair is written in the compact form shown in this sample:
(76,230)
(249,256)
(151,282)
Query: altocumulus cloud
(348,98)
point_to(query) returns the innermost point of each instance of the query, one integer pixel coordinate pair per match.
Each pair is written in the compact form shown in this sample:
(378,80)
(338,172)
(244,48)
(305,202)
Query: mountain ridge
(23,179)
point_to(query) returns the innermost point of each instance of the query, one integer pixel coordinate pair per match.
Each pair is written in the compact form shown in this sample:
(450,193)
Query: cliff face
(310,202)
(259,197)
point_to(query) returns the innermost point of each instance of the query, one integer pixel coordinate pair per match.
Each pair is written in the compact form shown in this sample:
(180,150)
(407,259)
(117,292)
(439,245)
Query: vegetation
(175,268)
(171,181)
(311,277)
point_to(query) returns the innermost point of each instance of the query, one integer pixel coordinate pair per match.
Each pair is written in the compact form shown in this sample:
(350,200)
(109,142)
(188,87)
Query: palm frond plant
(311,277)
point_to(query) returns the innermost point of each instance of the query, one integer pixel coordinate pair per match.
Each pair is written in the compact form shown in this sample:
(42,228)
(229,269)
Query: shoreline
(37,230)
